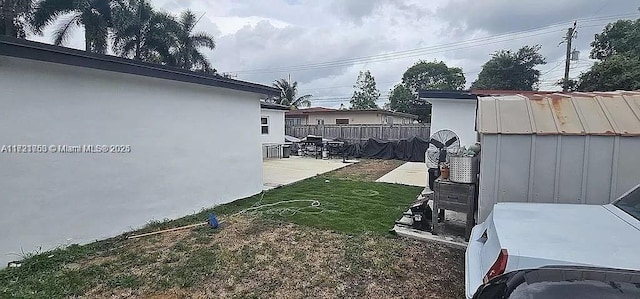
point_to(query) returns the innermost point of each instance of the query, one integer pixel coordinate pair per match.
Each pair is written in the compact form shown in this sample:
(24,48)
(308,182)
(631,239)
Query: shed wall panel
(599,169)
(582,169)
(628,165)
(514,168)
(544,176)
(571,165)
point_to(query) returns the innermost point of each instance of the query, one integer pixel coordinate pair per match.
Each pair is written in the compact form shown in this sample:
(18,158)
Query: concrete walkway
(410,173)
(280,172)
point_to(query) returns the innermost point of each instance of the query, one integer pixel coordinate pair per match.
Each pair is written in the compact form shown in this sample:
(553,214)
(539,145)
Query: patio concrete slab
(280,172)
(410,173)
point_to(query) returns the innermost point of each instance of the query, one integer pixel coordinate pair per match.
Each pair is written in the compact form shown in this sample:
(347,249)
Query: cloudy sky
(323,44)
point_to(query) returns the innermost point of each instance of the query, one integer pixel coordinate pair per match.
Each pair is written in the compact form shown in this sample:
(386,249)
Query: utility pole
(571,33)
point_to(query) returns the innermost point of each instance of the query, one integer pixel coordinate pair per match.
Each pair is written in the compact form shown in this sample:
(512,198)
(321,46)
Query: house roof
(447,94)
(21,48)
(306,111)
(265,105)
(595,113)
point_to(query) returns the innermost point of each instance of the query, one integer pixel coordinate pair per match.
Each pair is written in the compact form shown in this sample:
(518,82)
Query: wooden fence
(361,133)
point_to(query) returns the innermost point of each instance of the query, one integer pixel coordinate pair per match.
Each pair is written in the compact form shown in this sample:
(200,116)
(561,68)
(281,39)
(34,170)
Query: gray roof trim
(21,48)
(273,106)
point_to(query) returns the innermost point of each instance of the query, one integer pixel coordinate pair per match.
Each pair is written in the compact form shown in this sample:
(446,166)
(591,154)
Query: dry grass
(258,258)
(343,252)
(367,170)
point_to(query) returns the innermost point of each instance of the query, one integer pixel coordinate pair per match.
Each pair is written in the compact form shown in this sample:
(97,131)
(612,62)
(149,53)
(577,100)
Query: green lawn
(346,206)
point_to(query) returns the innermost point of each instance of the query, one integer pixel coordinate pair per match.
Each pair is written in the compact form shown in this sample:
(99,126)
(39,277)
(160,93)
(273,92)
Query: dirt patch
(367,169)
(256,257)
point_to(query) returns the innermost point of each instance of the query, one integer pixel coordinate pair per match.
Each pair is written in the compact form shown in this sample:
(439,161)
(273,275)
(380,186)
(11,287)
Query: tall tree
(618,72)
(94,15)
(289,95)
(426,75)
(366,93)
(618,49)
(142,33)
(511,70)
(401,99)
(620,37)
(433,75)
(186,52)
(14,17)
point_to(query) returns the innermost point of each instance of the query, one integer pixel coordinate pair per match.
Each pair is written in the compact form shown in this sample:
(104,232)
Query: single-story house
(93,145)
(328,116)
(579,148)
(272,128)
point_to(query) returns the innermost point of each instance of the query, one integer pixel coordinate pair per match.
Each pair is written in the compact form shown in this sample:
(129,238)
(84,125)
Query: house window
(321,121)
(293,122)
(264,124)
(342,121)
(390,120)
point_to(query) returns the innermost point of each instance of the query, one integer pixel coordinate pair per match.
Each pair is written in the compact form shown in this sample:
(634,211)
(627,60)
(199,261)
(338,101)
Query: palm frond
(202,39)
(61,34)
(47,11)
(188,20)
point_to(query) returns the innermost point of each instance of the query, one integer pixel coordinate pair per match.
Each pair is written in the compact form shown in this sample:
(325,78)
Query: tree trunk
(87,41)
(137,47)
(9,27)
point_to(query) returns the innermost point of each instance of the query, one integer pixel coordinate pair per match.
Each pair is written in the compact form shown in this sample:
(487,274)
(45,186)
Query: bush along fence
(361,133)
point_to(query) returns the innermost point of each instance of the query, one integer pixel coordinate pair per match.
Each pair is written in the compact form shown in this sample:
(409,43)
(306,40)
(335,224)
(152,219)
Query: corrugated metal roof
(594,113)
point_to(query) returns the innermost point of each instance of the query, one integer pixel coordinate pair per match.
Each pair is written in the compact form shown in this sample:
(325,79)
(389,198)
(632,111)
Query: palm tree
(142,33)
(94,15)
(14,16)
(288,94)
(186,52)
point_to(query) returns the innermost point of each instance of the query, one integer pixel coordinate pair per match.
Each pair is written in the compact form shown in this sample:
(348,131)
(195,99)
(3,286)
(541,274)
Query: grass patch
(345,205)
(348,206)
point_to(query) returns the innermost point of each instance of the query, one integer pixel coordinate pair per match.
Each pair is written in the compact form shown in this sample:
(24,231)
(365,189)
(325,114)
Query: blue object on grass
(213,222)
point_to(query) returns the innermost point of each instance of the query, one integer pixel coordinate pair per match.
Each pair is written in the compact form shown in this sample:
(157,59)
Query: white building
(177,141)
(272,129)
(455,111)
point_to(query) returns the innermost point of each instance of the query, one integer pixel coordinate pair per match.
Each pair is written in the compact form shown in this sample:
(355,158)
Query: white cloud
(276,34)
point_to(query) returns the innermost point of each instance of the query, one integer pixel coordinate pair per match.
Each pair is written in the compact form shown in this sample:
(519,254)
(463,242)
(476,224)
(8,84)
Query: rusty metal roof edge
(611,126)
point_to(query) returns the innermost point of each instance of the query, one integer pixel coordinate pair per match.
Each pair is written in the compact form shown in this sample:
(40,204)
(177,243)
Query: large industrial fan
(441,145)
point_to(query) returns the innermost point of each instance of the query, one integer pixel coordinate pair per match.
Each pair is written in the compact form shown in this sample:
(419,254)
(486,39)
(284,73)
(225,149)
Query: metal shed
(558,148)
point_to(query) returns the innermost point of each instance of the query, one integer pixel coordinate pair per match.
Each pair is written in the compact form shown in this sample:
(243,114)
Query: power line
(420,51)
(386,57)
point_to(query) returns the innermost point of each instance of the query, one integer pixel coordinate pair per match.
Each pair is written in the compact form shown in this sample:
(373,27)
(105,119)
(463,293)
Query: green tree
(618,49)
(617,72)
(511,70)
(366,93)
(94,15)
(289,95)
(620,37)
(433,75)
(141,33)
(14,17)
(186,51)
(402,100)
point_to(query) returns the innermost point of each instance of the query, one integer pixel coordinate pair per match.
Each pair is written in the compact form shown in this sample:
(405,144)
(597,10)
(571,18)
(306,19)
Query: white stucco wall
(192,146)
(276,126)
(456,115)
